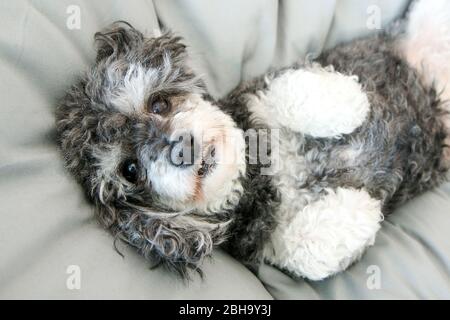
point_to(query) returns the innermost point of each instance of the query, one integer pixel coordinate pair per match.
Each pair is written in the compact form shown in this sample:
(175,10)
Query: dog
(350,136)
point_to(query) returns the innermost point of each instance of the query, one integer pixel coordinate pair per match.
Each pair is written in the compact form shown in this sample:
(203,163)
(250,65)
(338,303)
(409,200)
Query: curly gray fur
(402,142)
(87,125)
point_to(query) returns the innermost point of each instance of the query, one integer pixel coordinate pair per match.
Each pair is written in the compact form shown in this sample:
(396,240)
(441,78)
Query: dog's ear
(117,40)
(176,241)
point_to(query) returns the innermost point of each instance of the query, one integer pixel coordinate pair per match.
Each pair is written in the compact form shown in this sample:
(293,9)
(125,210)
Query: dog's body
(381,146)
(352,142)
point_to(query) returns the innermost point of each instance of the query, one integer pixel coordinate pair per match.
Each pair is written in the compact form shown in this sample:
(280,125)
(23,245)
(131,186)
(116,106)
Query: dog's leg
(314,100)
(327,235)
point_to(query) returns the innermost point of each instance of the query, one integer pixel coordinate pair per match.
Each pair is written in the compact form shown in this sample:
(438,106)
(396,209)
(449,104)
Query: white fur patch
(174,185)
(426,45)
(327,235)
(314,101)
(130,95)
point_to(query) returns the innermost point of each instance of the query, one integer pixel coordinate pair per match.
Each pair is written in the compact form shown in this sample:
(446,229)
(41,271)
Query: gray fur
(402,142)
(403,139)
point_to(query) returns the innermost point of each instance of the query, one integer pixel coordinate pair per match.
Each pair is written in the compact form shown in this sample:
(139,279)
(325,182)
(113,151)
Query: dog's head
(161,161)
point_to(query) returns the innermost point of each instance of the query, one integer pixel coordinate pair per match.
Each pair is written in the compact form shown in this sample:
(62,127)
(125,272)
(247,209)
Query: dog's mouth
(208,162)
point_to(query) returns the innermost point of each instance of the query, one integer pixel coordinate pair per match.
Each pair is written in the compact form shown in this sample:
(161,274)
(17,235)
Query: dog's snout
(182,151)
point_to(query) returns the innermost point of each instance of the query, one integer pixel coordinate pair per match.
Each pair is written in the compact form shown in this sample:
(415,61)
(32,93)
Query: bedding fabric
(48,235)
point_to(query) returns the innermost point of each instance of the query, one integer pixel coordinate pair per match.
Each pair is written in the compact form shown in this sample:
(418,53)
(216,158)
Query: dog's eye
(130,171)
(159,106)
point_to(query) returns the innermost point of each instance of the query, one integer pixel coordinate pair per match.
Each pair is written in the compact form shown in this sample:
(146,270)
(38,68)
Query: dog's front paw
(327,236)
(314,100)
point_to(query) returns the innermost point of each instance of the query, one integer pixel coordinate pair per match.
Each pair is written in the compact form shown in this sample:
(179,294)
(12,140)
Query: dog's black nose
(182,150)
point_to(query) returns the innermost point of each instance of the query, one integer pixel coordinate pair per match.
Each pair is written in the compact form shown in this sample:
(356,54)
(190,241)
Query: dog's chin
(218,172)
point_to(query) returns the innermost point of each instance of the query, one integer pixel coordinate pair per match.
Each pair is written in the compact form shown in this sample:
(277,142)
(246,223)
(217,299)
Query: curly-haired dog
(350,136)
